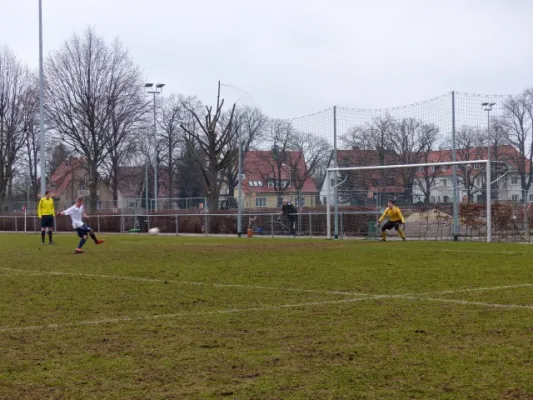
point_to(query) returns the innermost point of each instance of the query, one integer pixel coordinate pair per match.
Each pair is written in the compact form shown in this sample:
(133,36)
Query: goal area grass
(165,317)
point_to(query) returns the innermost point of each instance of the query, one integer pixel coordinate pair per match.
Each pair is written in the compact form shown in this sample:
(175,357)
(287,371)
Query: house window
(515,197)
(270,183)
(433,199)
(260,202)
(514,180)
(432,169)
(438,199)
(82,185)
(420,169)
(446,199)
(300,202)
(531,197)
(476,166)
(443,167)
(478,182)
(444,182)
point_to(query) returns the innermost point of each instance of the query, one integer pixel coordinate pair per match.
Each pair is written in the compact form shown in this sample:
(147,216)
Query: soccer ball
(154,231)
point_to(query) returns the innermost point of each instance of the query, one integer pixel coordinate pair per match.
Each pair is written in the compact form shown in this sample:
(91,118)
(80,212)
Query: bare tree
(517,123)
(14,82)
(128,111)
(471,143)
(87,87)
(426,177)
(252,125)
(213,141)
(274,165)
(31,150)
(410,138)
(310,152)
(171,136)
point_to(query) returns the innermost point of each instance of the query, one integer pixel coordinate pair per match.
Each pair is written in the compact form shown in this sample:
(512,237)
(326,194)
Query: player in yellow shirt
(46,212)
(395,220)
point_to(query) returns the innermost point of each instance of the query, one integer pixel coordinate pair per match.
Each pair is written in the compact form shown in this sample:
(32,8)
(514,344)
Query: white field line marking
(224,285)
(253,309)
(150,280)
(450,250)
(478,289)
(467,302)
(178,315)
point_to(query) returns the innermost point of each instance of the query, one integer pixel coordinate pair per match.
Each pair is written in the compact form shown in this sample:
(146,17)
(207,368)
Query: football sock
(384,235)
(82,242)
(401,233)
(43,235)
(50,236)
(93,237)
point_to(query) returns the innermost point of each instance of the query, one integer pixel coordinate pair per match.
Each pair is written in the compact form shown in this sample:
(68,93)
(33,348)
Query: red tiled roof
(260,166)
(63,175)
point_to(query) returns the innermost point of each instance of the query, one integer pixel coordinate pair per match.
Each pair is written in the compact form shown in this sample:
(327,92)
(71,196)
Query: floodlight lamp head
(159,85)
(148,85)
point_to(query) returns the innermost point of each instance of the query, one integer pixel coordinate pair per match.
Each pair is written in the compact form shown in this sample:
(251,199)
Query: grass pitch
(210,318)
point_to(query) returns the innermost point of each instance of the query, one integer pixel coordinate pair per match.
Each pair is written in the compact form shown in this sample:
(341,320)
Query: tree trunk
(93,186)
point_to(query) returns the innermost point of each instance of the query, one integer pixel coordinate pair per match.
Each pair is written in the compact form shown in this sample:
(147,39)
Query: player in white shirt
(77,213)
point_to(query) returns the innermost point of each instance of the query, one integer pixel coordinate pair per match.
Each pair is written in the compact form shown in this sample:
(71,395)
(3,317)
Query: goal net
(439,200)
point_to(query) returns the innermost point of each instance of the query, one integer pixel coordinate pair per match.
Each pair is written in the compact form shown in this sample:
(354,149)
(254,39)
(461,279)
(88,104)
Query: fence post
(272,224)
(177,225)
(206,229)
(341,216)
(310,225)
(121,223)
(98,222)
(16,225)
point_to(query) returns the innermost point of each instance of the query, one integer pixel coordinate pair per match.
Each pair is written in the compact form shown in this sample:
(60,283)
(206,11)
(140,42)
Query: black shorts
(47,221)
(391,225)
(83,230)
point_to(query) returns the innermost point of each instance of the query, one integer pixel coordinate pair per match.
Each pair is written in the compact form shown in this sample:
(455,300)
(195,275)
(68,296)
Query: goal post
(334,172)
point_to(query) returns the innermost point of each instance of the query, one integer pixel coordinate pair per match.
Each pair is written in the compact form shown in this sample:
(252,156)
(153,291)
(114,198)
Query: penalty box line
(258,309)
(258,287)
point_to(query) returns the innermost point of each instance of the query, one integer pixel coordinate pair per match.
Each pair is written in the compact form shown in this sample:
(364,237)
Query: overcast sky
(295,57)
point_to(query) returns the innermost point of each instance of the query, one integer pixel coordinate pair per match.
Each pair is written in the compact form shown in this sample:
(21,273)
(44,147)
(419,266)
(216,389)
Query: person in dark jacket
(291,214)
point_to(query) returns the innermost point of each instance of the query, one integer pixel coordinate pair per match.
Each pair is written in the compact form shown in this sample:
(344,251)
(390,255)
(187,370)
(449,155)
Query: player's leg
(93,236)
(398,227)
(386,227)
(82,234)
(50,229)
(43,229)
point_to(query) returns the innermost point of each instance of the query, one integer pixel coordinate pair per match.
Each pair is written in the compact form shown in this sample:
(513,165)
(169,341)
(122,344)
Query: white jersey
(76,215)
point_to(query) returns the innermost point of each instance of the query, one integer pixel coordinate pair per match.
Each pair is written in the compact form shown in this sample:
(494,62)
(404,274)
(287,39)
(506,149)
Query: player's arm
(383,216)
(401,216)
(68,211)
(39,213)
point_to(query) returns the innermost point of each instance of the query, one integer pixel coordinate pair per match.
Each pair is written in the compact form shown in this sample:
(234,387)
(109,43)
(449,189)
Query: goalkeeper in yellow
(396,220)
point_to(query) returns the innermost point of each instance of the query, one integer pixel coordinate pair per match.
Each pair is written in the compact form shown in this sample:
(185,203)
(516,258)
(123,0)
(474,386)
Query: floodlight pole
(488,108)
(328,206)
(454,177)
(41,104)
(158,89)
(336,160)
(239,217)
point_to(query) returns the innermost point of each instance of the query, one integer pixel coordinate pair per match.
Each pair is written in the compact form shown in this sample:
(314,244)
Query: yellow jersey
(46,207)
(394,215)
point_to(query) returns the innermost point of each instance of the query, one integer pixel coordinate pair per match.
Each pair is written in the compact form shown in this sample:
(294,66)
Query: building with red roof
(270,175)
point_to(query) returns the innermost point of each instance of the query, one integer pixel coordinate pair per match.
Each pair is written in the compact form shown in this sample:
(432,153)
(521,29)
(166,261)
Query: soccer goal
(448,200)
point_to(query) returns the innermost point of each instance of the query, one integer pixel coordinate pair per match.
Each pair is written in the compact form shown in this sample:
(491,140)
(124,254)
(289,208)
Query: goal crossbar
(487,164)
